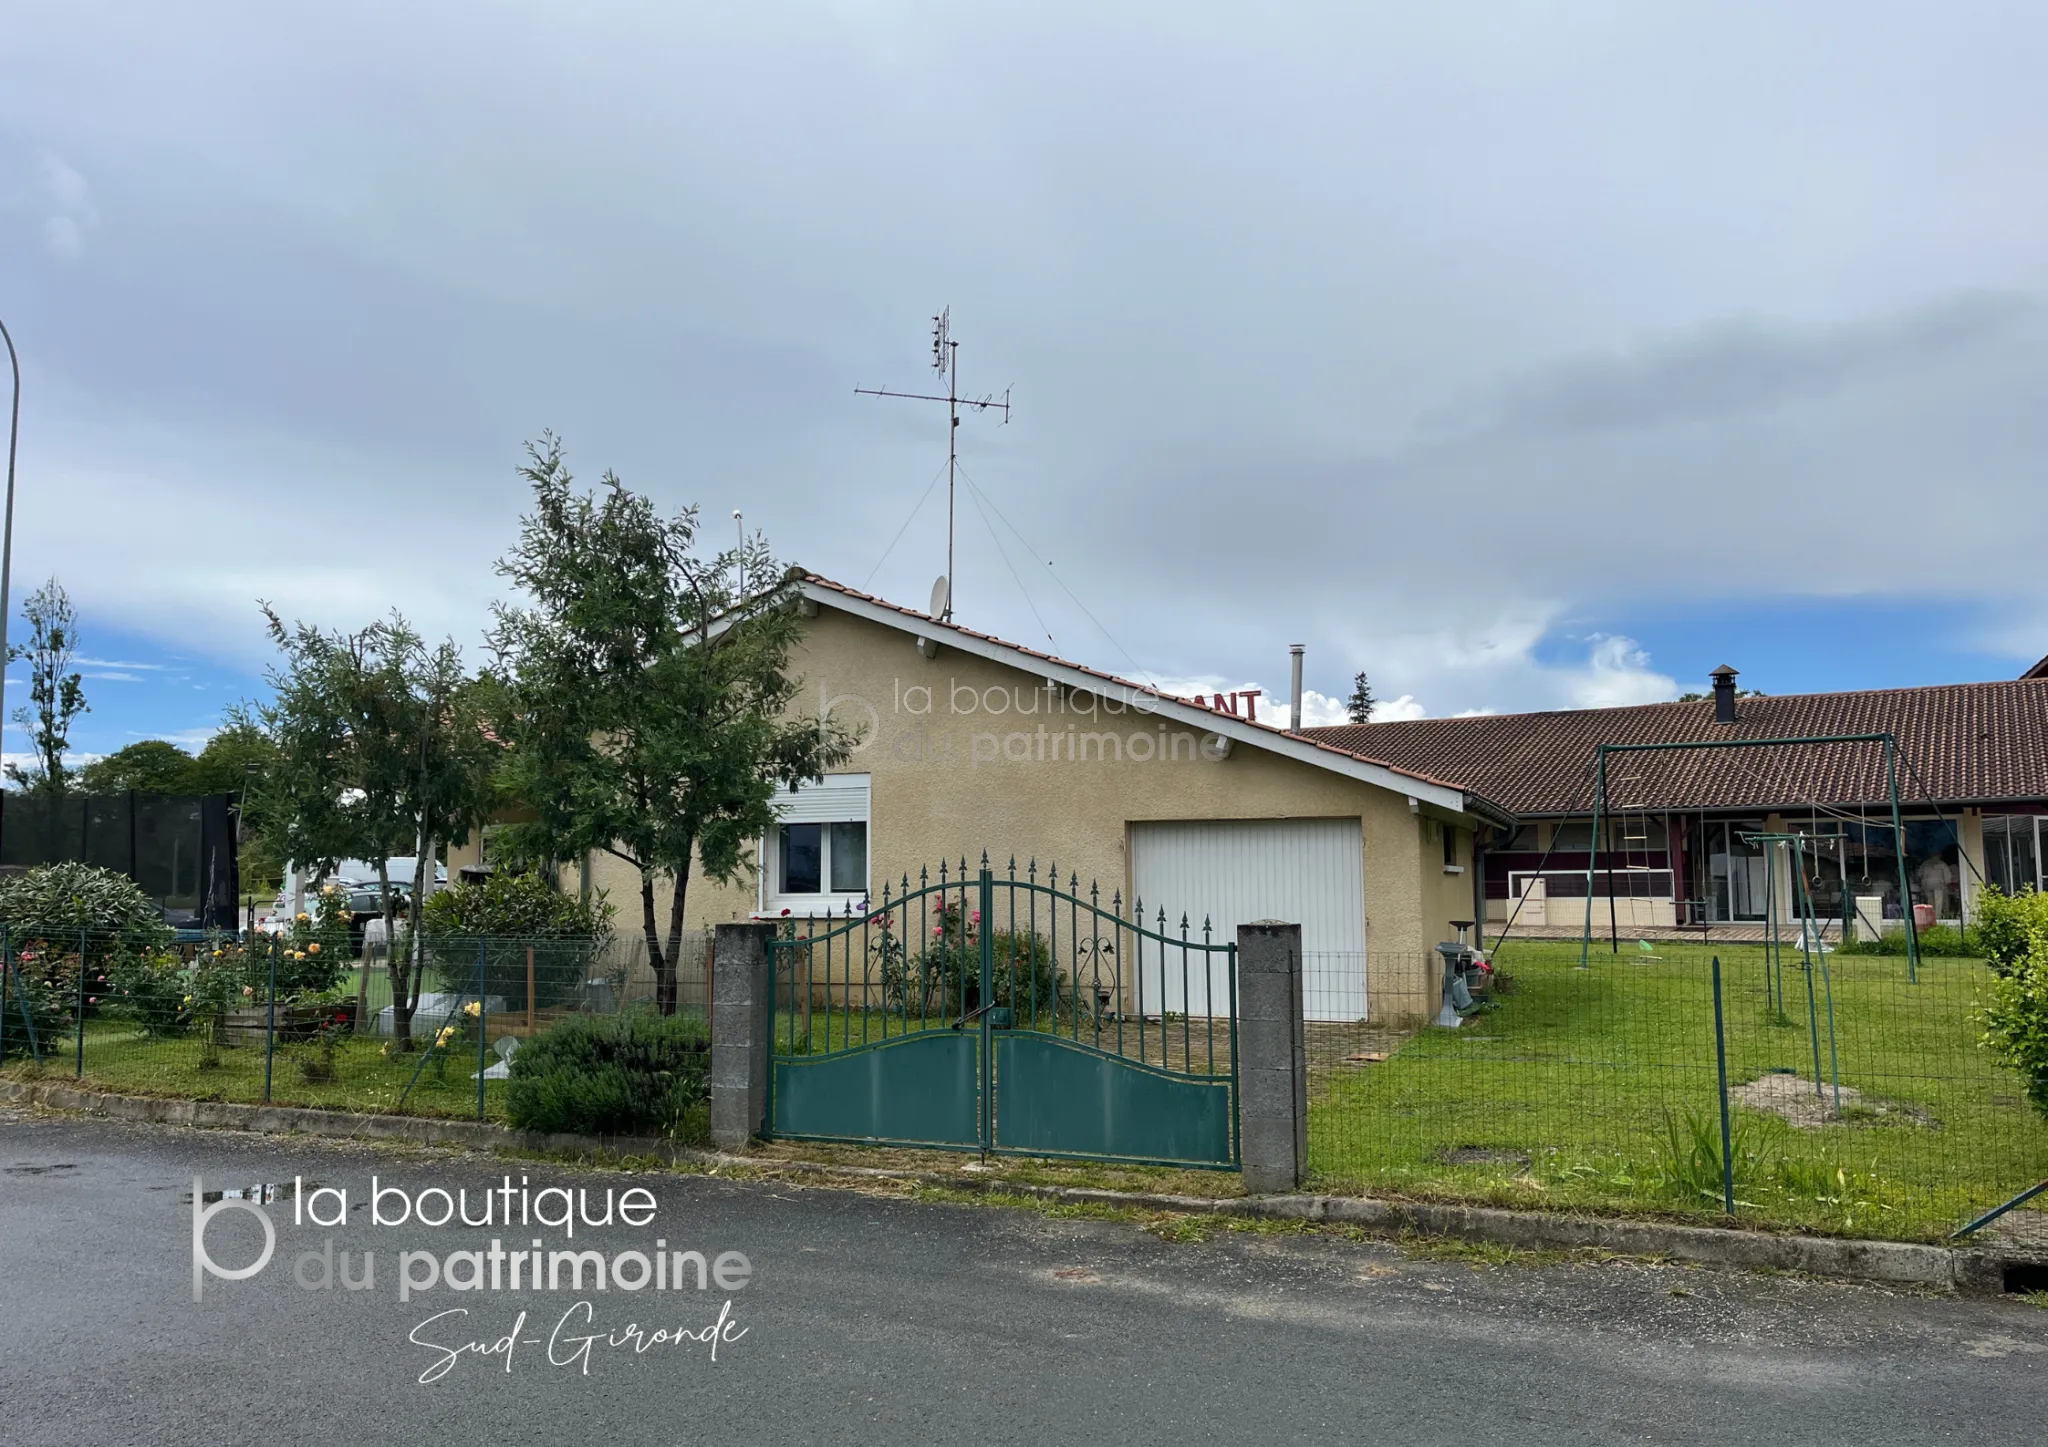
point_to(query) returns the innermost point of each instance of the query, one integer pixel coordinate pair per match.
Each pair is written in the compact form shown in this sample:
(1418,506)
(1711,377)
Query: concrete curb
(1972,1271)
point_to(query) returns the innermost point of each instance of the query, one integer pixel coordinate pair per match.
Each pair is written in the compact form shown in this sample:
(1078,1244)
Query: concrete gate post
(1272,1057)
(740,1035)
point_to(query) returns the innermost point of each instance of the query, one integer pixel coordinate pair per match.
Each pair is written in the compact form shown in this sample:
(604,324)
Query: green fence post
(987,896)
(1770,915)
(270,1027)
(1891,767)
(483,1015)
(81,1004)
(1592,859)
(1721,1067)
(1813,1021)
(7,972)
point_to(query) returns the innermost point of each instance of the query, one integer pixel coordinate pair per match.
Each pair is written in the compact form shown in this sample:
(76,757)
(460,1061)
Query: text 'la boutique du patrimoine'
(494,1268)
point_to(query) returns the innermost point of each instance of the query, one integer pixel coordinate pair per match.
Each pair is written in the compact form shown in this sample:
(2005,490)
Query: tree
(153,766)
(56,693)
(647,697)
(1360,705)
(238,755)
(380,748)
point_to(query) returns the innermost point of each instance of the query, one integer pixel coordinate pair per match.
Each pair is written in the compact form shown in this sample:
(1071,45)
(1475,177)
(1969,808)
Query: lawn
(364,1079)
(1597,1089)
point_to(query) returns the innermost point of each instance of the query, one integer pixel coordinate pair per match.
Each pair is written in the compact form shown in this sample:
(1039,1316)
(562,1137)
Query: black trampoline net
(180,848)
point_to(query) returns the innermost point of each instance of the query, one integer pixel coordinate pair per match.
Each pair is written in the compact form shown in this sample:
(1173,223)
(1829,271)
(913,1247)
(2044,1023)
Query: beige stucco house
(972,744)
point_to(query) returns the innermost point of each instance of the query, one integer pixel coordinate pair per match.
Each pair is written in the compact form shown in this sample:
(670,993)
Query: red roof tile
(1958,743)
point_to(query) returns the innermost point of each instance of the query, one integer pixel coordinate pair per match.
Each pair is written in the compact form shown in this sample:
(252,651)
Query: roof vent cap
(1724,694)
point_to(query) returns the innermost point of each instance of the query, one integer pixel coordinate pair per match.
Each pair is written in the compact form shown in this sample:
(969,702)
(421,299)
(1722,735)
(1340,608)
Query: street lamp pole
(7,528)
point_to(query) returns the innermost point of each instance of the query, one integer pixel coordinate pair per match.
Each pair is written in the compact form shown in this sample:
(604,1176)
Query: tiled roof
(1334,747)
(1958,743)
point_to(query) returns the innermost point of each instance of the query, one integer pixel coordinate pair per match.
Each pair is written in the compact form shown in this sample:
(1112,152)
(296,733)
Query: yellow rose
(314,948)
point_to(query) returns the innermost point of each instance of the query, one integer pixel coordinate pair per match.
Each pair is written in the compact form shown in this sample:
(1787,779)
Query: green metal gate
(1006,1015)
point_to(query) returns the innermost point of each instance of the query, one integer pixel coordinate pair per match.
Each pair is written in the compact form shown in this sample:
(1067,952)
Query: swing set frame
(1601,812)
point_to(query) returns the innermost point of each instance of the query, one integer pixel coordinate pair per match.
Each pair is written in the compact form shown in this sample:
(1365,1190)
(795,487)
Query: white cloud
(124,665)
(1618,674)
(1319,709)
(69,212)
(190,740)
(115,677)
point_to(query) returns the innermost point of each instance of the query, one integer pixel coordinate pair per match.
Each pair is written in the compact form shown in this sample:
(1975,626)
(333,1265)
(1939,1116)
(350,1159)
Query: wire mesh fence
(262,1019)
(1858,1101)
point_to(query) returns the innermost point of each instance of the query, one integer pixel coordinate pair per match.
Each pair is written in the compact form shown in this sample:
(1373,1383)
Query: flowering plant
(452,1037)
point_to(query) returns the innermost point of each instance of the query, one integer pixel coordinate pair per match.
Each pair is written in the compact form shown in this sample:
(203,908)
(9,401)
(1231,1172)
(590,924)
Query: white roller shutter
(834,799)
(1232,872)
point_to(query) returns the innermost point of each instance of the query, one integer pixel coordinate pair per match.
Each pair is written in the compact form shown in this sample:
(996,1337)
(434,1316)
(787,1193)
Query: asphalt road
(881,1320)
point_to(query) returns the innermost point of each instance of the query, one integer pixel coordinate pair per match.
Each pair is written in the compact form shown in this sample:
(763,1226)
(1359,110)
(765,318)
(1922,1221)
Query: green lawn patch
(1597,1089)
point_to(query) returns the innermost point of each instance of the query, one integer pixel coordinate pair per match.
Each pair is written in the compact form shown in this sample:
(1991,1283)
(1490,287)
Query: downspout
(1479,886)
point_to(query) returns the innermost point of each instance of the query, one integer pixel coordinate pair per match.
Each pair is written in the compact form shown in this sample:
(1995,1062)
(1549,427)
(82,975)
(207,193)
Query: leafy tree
(1361,701)
(234,759)
(56,693)
(380,749)
(647,696)
(153,766)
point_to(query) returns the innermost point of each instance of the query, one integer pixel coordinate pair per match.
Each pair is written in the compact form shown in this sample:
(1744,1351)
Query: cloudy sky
(1525,355)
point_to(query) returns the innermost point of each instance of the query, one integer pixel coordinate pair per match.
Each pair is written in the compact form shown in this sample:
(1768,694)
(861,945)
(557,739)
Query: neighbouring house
(1678,837)
(970,743)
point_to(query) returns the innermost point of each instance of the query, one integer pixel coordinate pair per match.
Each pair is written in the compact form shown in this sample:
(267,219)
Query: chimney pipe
(1294,695)
(1724,694)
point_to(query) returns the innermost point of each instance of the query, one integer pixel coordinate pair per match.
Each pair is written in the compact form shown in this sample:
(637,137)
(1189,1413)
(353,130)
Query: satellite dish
(942,597)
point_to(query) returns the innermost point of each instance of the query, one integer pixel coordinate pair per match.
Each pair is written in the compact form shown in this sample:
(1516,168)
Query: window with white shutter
(816,858)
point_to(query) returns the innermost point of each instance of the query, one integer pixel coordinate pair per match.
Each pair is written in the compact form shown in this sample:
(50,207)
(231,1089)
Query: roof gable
(1316,752)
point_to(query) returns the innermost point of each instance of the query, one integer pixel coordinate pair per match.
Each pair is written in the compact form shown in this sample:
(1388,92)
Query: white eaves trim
(1159,705)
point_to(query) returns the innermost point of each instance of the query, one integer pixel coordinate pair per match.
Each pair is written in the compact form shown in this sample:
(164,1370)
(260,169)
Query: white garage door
(1233,872)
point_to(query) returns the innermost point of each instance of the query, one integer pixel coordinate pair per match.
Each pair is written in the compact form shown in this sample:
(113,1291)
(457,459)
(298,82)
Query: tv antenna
(946,362)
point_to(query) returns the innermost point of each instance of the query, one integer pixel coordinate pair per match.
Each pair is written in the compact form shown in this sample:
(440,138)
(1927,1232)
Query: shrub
(55,902)
(1941,940)
(48,1007)
(155,989)
(2015,1015)
(2006,923)
(504,916)
(943,975)
(611,1075)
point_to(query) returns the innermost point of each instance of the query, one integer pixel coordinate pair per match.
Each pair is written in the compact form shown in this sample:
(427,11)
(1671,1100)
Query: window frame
(831,800)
